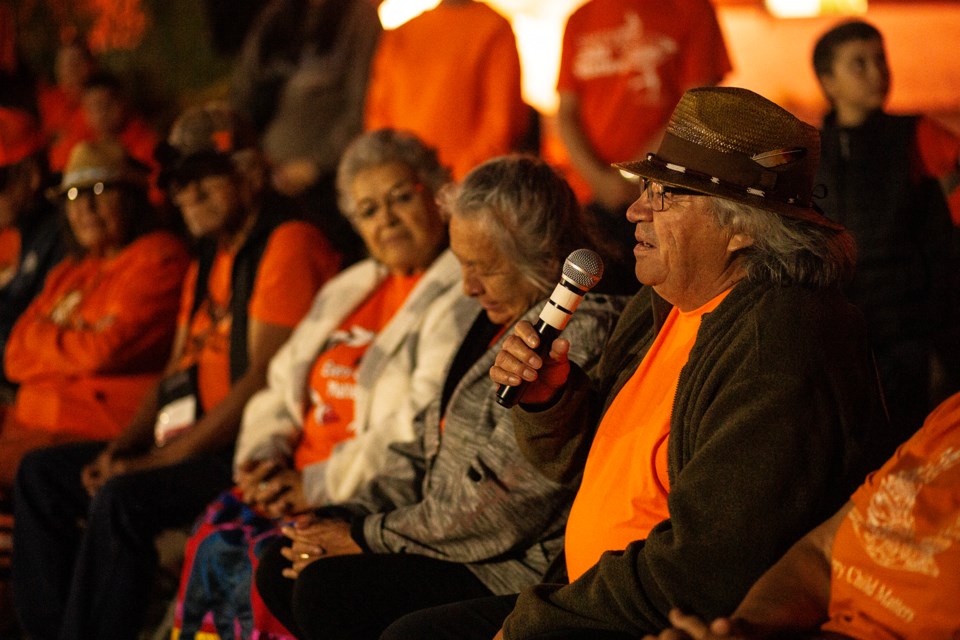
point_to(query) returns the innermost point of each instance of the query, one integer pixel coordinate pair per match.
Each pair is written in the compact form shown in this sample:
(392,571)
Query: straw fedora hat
(106,163)
(734,144)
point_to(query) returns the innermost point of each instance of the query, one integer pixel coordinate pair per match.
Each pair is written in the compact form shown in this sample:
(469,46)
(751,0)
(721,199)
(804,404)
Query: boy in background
(885,178)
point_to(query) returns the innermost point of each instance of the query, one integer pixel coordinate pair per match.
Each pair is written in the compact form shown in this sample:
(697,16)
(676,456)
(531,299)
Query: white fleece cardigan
(400,374)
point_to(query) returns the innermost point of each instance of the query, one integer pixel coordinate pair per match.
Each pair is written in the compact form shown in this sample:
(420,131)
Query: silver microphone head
(584,268)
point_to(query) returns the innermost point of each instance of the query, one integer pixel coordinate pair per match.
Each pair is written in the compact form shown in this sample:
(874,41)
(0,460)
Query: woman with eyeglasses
(368,357)
(96,337)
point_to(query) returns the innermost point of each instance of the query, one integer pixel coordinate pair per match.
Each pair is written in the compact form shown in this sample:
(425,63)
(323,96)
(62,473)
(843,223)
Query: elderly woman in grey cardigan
(457,512)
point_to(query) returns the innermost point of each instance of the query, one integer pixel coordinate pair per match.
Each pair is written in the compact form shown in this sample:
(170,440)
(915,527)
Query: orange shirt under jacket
(625,483)
(296,262)
(333,378)
(896,556)
(96,338)
(452,76)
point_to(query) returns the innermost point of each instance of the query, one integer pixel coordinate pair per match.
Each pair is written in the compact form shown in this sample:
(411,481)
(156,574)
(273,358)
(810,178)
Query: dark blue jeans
(83,568)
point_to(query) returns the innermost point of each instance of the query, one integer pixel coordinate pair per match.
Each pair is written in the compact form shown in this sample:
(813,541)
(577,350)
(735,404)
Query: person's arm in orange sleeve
(136,322)
(503,114)
(791,597)
(294,267)
(299,260)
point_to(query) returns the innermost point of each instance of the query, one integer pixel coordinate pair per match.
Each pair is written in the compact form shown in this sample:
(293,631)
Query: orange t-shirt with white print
(296,262)
(625,484)
(333,377)
(9,254)
(629,61)
(896,556)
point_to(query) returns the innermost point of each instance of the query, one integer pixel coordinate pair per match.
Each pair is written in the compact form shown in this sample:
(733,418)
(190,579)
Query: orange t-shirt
(629,61)
(333,376)
(452,76)
(896,556)
(9,254)
(625,483)
(297,261)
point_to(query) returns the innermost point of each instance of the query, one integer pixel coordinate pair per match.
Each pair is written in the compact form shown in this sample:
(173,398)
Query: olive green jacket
(778,416)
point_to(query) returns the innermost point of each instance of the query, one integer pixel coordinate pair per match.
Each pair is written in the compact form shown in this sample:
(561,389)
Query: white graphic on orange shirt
(323,413)
(888,529)
(873,588)
(355,336)
(625,50)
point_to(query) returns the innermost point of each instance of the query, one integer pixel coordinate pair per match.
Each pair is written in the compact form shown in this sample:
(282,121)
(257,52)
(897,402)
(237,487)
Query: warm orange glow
(810,8)
(394,13)
(770,55)
(538,25)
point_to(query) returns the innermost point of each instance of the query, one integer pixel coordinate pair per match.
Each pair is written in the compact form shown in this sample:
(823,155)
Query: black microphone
(581,271)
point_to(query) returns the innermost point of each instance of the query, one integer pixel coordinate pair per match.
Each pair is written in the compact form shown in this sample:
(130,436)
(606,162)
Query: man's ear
(739,241)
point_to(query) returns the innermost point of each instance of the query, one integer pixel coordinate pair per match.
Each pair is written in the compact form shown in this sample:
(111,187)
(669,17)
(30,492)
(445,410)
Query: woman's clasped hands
(314,538)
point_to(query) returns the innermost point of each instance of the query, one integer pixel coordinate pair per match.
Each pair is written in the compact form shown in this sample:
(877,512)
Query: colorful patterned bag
(217,597)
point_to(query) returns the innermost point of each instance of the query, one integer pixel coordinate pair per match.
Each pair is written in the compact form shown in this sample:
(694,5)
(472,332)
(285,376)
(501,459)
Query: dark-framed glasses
(660,196)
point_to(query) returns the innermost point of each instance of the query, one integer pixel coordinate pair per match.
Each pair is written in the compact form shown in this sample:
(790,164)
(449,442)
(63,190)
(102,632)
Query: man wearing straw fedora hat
(736,404)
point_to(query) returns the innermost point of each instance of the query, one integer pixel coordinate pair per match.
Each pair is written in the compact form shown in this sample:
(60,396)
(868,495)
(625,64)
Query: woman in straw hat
(97,335)
(736,405)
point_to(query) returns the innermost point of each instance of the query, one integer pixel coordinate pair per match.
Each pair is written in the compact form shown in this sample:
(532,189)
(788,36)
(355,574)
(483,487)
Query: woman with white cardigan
(372,352)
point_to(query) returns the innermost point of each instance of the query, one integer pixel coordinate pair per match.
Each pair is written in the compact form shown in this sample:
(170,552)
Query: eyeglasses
(400,195)
(91,194)
(76,193)
(660,196)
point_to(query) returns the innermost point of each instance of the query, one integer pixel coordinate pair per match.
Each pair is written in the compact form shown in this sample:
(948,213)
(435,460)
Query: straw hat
(734,144)
(100,162)
(19,136)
